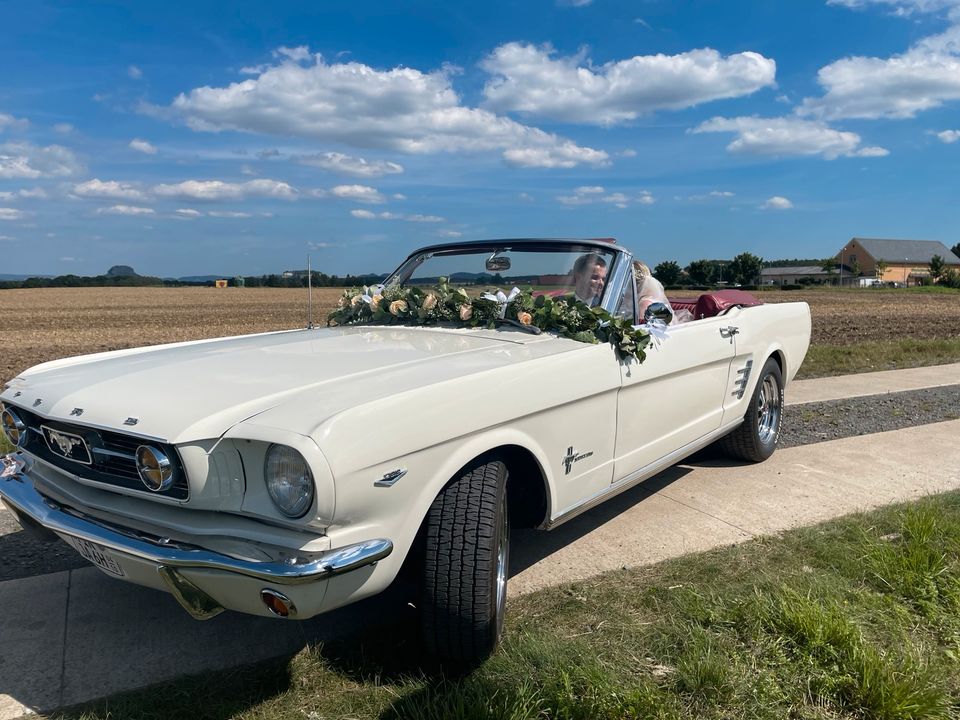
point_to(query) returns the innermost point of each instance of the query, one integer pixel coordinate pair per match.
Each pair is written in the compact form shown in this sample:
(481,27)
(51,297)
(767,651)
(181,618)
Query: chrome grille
(114,455)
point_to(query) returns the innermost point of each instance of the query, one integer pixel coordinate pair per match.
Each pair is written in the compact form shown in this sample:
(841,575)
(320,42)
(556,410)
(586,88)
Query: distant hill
(121,271)
(23,277)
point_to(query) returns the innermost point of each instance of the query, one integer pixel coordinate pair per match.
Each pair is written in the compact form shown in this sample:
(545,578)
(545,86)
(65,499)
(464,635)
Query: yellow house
(907,261)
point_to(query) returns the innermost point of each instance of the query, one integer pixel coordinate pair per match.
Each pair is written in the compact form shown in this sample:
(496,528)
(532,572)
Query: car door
(675,396)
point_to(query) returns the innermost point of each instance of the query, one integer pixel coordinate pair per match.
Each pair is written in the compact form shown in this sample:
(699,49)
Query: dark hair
(587,260)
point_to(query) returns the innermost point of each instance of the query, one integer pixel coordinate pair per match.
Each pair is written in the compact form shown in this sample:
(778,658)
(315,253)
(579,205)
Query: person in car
(589,275)
(650,290)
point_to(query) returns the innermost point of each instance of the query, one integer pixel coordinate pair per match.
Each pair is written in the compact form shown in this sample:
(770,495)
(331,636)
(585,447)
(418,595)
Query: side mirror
(657,311)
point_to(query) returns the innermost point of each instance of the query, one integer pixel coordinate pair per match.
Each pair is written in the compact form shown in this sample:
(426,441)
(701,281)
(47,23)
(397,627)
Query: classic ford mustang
(289,473)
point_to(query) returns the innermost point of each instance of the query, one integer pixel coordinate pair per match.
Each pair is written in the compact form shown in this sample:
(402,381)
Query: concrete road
(72,636)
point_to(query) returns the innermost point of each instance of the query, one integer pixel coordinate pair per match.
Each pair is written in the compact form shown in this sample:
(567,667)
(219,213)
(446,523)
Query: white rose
(375,301)
(430,302)
(397,307)
(525,318)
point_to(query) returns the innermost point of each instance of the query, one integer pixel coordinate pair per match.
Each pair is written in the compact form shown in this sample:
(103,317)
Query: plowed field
(44,324)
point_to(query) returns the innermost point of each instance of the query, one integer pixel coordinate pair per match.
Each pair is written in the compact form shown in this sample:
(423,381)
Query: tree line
(273,280)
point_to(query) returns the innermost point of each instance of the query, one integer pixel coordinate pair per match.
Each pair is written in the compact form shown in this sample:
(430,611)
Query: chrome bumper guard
(17,491)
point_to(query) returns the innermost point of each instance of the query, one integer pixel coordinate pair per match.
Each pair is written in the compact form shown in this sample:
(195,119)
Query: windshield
(558,270)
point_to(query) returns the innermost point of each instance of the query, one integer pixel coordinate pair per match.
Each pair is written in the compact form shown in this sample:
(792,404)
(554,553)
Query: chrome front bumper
(17,491)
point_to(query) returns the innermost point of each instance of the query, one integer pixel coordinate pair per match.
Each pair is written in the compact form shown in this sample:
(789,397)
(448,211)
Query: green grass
(5,446)
(857,618)
(824,360)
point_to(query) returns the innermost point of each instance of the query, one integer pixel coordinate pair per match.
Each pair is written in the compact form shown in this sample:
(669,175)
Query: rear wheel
(466,554)
(756,438)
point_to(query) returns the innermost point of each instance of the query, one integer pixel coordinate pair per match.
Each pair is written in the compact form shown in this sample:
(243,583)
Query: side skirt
(638,476)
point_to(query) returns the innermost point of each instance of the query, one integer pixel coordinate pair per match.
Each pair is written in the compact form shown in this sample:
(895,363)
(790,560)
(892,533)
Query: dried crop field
(44,324)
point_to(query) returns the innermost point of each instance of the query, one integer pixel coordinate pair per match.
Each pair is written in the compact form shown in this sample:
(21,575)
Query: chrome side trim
(648,471)
(194,600)
(17,490)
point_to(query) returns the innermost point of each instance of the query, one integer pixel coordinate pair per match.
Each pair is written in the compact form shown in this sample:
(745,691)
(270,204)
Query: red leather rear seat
(715,303)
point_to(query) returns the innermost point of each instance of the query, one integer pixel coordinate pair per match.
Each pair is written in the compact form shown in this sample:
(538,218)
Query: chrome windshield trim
(16,490)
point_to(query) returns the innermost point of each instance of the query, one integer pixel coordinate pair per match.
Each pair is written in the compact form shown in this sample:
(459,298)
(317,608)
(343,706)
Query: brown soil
(44,324)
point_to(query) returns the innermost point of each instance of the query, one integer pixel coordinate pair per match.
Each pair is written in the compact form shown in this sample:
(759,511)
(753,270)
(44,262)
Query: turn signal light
(278,603)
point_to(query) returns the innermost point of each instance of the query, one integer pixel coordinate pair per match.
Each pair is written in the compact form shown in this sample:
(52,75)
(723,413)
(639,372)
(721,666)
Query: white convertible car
(289,473)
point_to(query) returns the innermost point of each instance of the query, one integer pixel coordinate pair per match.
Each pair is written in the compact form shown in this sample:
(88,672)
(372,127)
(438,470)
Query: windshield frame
(613,288)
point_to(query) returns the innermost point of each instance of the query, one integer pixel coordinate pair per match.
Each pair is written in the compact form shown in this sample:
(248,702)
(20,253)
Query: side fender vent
(743,379)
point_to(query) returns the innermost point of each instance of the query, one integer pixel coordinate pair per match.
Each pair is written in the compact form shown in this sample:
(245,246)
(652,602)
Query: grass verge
(824,360)
(856,618)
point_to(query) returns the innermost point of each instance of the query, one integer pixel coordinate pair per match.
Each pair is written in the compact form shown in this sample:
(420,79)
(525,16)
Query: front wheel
(467,553)
(756,438)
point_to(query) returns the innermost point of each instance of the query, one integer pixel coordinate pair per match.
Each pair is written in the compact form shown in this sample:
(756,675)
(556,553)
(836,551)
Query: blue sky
(195,138)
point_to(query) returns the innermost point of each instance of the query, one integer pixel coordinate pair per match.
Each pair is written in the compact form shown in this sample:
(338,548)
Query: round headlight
(289,480)
(155,469)
(13,427)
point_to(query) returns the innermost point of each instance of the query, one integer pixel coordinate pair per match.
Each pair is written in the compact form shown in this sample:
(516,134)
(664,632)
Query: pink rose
(397,307)
(375,301)
(525,318)
(430,302)
(466,312)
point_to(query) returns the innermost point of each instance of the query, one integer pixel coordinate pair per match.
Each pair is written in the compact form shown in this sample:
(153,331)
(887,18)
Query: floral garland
(564,315)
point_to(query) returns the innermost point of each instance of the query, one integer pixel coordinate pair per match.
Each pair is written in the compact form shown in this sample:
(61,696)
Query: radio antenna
(309,295)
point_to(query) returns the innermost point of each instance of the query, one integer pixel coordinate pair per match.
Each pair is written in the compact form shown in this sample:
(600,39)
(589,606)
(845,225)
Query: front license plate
(97,555)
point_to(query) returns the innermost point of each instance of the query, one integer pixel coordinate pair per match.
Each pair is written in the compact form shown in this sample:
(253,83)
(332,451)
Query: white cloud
(143,146)
(777,203)
(449,233)
(721,193)
(12,214)
(36,193)
(529,79)
(786,136)
(24,160)
(247,170)
(134,72)
(9,121)
(188,213)
(949,136)
(903,8)
(125,210)
(108,189)
(358,193)
(297,54)
(924,77)
(63,128)
(573,3)
(219,190)
(228,214)
(589,194)
(403,109)
(6,237)
(367,215)
(628,153)
(349,165)
(526,197)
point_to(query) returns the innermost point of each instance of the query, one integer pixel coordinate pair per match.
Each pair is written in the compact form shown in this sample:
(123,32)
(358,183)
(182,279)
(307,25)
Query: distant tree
(956,249)
(937,266)
(855,269)
(830,267)
(745,268)
(950,278)
(881,268)
(668,272)
(700,271)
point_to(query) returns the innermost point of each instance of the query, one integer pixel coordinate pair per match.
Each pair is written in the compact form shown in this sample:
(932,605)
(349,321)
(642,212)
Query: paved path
(72,636)
(875,383)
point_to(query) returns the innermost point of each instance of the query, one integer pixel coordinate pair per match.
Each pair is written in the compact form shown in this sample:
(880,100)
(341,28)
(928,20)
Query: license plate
(97,555)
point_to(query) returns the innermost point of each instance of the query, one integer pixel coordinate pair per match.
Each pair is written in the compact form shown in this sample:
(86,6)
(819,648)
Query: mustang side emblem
(572,457)
(131,421)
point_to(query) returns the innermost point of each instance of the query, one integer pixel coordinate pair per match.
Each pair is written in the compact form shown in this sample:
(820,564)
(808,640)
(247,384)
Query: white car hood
(191,391)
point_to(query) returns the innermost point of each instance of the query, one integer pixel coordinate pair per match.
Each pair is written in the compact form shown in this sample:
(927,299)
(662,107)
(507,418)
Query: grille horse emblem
(64,442)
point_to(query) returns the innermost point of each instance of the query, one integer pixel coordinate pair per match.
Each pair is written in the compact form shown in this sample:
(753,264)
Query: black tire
(466,555)
(756,438)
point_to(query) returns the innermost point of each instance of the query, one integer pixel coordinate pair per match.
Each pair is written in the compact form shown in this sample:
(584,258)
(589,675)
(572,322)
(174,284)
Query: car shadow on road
(528,547)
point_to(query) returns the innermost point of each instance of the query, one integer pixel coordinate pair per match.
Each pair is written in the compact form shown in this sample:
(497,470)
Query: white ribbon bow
(657,329)
(502,300)
(367,297)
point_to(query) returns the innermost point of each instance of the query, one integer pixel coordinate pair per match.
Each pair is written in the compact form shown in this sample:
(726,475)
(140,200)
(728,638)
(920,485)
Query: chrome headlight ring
(155,469)
(13,427)
(289,480)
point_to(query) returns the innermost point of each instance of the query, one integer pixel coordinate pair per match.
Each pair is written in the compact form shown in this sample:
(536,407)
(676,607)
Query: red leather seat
(718,302)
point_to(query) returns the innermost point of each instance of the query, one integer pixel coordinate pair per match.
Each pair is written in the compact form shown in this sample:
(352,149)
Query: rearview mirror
(498,264)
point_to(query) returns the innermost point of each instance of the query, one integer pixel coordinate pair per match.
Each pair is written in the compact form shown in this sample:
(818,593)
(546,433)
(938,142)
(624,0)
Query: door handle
(729,332)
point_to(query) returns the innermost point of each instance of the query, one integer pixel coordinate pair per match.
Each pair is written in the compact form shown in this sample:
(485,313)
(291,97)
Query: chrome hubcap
(503,561)
(768,410)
